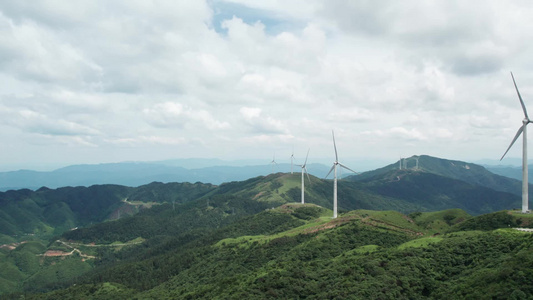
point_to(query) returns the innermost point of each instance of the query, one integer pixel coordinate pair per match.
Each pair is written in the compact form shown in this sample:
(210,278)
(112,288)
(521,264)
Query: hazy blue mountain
(514,172)
(135,174)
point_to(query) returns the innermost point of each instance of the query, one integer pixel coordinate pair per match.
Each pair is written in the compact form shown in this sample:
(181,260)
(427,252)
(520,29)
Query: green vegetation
(491,221)
(253,240)
(296,251)
(46,212)
(422,242)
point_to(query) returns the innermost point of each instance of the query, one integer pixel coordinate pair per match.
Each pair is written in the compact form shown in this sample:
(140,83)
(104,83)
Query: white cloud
(210,77)
(262,124)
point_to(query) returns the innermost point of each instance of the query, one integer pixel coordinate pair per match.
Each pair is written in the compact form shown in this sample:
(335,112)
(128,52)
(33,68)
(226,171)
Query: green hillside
(463,171)
(297,251)
(47,212)
(430,192)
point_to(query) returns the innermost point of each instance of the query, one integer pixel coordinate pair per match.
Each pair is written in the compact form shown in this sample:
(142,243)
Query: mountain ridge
(138,173)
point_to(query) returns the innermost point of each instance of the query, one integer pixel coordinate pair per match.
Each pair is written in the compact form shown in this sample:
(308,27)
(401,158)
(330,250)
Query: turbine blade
(335,146)
(306,157)
(514,140)
(520,97)
(305,169)
(330,170)
(347,168)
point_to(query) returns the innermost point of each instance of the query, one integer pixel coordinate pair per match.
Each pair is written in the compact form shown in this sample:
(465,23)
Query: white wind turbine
(522,130)
(334,168)
(292,158)
(304,169)
(273,162)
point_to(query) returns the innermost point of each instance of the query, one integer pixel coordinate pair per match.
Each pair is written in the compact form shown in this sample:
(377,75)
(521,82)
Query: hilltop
(459,170)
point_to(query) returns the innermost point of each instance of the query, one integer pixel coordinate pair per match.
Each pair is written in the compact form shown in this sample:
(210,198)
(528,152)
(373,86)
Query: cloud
(165,114)
(215,76)
(267,125)
(38,123)
(397,133)
(465,37)
(352,115)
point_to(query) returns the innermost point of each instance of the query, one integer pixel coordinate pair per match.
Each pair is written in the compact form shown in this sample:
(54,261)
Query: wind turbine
(522,130)
(304,169)
(292,158)
(417,158)
(273,162)
(334,168)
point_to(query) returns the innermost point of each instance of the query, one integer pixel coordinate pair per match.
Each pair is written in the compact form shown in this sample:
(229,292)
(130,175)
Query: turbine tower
(304,169)
(334,168)
(417,158)
(522,130)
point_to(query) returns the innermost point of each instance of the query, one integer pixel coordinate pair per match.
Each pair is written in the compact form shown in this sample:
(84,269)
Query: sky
(110,81)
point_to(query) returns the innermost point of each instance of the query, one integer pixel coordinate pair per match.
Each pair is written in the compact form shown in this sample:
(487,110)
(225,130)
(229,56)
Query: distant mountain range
(438,184)
(212,171)
(139,173)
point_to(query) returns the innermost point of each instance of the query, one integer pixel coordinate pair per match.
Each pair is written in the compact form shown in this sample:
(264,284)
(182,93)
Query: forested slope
(304,254)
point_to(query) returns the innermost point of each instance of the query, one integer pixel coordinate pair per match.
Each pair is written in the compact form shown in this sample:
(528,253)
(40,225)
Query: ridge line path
(525,229)
(70,245)
(62,253)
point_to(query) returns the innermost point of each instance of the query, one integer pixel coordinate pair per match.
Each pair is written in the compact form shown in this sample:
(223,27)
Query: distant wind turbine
(417,158)
(522,130)
(304,169)
(292,158)
(334,168)
(273,162)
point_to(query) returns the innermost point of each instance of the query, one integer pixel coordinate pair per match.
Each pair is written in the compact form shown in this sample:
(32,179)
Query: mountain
(48,212)
(431,192)
(467,172)
(510,171)
(135,174)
